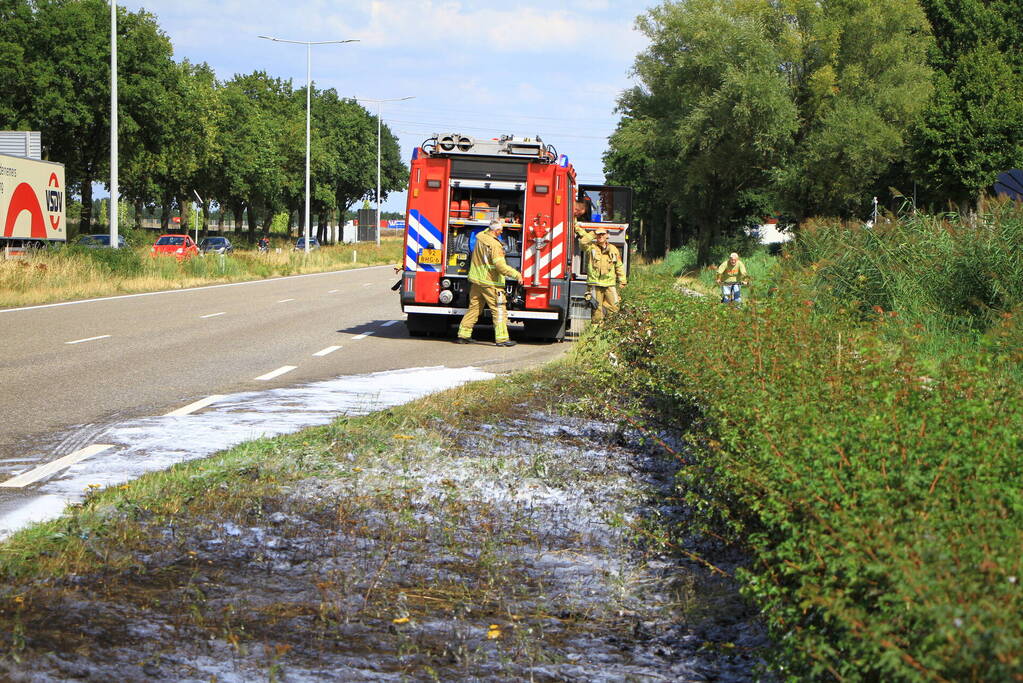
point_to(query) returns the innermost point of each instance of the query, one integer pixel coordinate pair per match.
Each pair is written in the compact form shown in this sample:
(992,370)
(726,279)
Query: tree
(69,84)
(858,73)
(972,127)
(713,108)
(263,143)
(15,95)
(346,166)
(750,107)
(189,141)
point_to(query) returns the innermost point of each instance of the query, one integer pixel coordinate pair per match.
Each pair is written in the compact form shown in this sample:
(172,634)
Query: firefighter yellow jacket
(604,266)
(488,267)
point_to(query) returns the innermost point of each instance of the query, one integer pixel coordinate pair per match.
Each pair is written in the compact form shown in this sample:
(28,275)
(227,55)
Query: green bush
(880,500)
(122,262)
(944,272)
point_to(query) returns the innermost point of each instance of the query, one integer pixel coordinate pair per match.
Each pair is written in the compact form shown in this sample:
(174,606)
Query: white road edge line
(192,407)
(49,468)
(329,349)
(276,373)
(388,323)
(79,341)
(284,301)
(362,336)
(212,315)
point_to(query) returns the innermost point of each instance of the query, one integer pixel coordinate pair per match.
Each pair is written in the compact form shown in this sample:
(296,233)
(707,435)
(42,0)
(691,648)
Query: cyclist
(731,275)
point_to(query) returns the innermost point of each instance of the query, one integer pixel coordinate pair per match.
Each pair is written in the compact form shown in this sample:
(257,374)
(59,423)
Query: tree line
(239,144)
(745,109)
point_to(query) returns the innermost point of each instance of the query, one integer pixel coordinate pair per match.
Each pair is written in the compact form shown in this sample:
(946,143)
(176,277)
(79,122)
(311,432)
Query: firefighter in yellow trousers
(604,273)
(487,271)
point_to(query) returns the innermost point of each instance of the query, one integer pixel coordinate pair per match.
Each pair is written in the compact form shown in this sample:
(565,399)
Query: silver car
(215,245)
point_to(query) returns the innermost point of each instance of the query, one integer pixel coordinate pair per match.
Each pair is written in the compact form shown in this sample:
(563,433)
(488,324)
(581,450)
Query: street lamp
(379,102)
(308,109)
(114,190)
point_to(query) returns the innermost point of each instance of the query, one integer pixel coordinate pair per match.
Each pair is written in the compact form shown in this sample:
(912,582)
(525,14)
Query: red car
(181,246)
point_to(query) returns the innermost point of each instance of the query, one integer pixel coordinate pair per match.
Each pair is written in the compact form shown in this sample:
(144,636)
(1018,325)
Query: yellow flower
(356,469)
(18,600)
(403,436)
(493,632)
(400,620)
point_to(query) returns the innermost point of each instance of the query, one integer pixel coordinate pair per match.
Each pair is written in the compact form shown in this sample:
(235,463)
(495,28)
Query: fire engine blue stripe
(430,227)
(422,235)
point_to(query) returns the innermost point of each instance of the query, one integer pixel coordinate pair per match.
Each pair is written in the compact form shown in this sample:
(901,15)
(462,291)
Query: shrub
(880,500)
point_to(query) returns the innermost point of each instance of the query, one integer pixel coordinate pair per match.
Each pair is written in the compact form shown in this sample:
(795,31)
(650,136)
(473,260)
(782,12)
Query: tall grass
(761,266)
(74,272)
(949,279)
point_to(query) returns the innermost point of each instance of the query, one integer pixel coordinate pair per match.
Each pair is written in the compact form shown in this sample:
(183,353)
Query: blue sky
(553,69)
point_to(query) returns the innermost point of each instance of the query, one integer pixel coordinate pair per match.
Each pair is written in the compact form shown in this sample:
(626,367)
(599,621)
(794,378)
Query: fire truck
(458,185)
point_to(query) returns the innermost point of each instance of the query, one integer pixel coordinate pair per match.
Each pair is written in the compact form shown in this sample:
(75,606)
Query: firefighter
(605,272)
(487,271)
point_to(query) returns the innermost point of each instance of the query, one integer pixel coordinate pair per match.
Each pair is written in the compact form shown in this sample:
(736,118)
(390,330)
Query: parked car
(313,244)
(99,241)
(181,246)
(215,245)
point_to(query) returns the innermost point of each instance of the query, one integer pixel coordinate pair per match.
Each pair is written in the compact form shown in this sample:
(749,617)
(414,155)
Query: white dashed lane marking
(49,468)
(276,373)
(79,341)
(388,323)
(329,349)
(361,336)
(333,291)
(192,407)
(212,315)
(284,301)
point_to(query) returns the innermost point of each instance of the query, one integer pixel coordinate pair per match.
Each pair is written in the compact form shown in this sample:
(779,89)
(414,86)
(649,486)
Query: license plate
(430,256)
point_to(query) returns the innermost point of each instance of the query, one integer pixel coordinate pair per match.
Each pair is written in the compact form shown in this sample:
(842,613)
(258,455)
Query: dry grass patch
(78,273)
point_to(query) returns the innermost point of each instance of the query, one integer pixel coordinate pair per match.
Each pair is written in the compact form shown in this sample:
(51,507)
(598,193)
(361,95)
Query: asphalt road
(96,361)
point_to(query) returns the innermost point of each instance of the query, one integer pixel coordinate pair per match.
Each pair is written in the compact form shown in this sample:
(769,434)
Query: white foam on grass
(155,443)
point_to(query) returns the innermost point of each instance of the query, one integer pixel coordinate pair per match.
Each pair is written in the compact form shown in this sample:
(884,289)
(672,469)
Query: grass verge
(79,273)
(473,535)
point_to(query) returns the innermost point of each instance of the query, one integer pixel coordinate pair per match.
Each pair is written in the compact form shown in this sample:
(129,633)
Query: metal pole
(198,215)
(379,104)
(378,172)
(308,109)
(114,190)
(308,114)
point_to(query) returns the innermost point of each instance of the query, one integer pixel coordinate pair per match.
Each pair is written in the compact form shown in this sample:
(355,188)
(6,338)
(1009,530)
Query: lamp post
(114,190)
(379,102)
(308,109)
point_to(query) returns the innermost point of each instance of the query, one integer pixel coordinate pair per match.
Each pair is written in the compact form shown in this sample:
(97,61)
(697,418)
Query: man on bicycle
(731,275)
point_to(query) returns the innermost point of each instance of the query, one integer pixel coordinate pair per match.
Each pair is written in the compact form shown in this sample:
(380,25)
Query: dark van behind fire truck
(458,184)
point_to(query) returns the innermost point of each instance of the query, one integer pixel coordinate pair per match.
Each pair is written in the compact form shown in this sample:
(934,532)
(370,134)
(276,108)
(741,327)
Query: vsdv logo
(25,198)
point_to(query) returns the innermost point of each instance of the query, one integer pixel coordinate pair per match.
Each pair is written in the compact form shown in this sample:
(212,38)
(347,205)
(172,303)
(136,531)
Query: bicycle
(731,292)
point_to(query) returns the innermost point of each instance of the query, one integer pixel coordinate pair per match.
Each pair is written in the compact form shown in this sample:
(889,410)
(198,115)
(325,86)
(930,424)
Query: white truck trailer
(32,203)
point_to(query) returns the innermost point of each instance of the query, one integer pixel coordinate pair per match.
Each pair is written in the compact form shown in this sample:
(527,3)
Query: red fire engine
(459,184)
